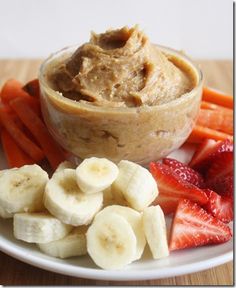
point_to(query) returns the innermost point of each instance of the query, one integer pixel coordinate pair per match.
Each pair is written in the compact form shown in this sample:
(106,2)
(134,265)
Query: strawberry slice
(192,226)
(172,188)
(219,207)
(185,172)
(223,185)
(207,152)
(168,203)
(222,165)
(202,152)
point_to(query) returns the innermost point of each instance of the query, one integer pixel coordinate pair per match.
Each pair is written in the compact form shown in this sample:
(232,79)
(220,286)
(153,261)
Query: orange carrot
(38,129)
(12,89)
(15,156)
(199,133)
(32,87)
(34,104)
(218,98)
(211,106)
(217,120)
(6,108)
(21,139)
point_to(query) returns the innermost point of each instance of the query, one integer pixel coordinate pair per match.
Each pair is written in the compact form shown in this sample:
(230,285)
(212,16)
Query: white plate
(178,263)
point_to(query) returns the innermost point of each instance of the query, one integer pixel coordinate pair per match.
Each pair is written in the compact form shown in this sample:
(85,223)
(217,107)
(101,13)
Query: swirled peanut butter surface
(120,68)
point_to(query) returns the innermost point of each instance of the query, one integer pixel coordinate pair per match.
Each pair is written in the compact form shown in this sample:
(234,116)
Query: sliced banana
(4,214)
(155,231)
(65,165)
(136,184)
(112,198)
(22,189)
(64,199)
(134,218)
(111,242)
(118,197)
(38,227)
(74,244)
(108,198)
(95,174)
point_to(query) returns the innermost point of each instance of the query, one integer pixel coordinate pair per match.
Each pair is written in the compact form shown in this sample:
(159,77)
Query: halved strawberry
(168,203)
(220,207)
(172,188)
(221,165)
(202,152)
(207,152)
(223,185)
(192,226)
(185,172)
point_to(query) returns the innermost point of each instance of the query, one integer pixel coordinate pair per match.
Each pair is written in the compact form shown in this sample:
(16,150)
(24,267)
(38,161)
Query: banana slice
(95,174)
(38,227)
(108,198)
(4,214)
(64,199)
(136,184)
(65,165)
(111,242)
(74,244)
(112,198)
(134,218)
(22,189)
(118,197)
(155,231)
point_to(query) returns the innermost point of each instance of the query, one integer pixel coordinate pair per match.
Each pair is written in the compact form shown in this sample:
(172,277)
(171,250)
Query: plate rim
(115,275)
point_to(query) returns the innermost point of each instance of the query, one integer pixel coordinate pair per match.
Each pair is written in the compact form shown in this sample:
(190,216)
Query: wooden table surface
(218,74)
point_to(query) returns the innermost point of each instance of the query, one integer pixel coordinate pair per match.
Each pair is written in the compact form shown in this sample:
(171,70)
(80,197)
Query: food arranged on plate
(71,213)
(116,102)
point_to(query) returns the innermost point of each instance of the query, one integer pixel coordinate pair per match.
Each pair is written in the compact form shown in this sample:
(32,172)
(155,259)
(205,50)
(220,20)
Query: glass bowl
(140,134)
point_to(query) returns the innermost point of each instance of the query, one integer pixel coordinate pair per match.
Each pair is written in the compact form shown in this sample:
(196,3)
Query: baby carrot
(12,89)
(218,98)
(211,106)
(217,120)
(199,133)
(15,156)
(38,129)
(18,135)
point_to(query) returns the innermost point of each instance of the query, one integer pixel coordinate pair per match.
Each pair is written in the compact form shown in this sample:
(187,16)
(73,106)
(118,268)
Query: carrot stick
(217,98)
(21,139)
(32,87)
(217,120)
(15,156)
(12,89)
(34,104)
(38,129)
(199,133)
(211,106)
(6,108)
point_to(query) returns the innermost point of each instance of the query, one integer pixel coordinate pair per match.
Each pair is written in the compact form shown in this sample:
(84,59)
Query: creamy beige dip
(120,97)
(120,68)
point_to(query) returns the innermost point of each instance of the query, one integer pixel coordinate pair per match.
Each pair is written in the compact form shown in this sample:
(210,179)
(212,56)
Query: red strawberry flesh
(202,152)
(220,207)
(223,185)
(221,165)
(219,176)
(192,226)
(202,158)
(185,172)
(172,188)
